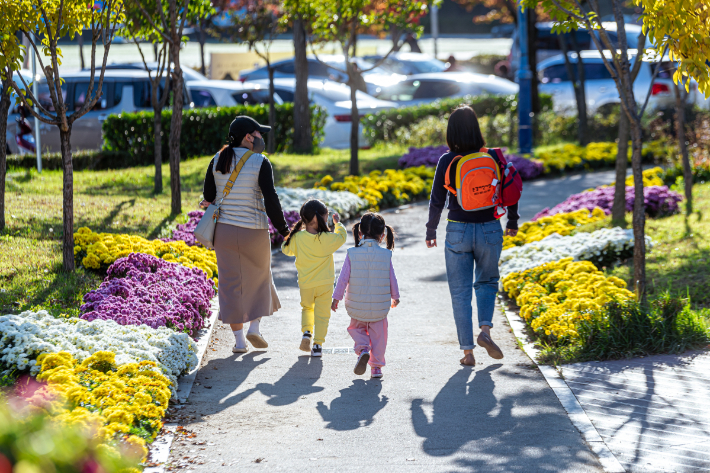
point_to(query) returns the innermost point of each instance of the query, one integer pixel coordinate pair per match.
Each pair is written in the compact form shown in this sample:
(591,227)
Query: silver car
(122,91)
(424,88)
(600,88)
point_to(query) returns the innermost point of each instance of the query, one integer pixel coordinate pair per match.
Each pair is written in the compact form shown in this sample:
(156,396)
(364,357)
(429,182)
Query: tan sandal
(257,341)
(468,360)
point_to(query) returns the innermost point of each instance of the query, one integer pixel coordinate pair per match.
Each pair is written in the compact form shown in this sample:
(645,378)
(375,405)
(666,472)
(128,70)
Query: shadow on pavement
(296,382)
(356,407)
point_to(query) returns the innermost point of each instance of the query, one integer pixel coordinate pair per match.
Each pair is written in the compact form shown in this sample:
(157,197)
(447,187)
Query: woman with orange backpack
(479,185)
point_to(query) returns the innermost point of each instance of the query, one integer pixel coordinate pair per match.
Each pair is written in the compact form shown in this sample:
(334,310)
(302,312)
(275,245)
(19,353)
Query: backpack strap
(447,178)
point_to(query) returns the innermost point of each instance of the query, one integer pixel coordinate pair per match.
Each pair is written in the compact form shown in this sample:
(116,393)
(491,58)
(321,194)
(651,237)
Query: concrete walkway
(280,410)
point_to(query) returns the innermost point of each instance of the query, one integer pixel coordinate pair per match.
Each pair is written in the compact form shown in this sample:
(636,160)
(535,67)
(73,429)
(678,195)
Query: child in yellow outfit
(313,245)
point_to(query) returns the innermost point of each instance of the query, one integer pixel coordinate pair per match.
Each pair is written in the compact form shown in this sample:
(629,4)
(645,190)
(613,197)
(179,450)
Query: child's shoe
(376,372)
(361,365)
(306,341)
(317,350)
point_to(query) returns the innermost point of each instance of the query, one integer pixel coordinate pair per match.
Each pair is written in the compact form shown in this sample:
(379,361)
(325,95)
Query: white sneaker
(235,349)
(306,341)
(361,364)
(317,351)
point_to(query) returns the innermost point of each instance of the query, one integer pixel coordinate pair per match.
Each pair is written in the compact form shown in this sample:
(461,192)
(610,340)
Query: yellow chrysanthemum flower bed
(554,297)
(562,223)
(99,250)
(124,405)
(390,187)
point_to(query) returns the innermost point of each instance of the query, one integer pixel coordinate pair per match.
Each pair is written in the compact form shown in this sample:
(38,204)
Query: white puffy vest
(244,206)
(368,298)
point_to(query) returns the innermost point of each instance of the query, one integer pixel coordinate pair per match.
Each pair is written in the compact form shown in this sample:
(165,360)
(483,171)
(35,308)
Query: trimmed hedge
(380,126)
(204,130)
(84,159)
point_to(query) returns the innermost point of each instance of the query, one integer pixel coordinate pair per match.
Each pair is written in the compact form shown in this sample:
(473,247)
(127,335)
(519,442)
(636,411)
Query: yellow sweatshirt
(314,255)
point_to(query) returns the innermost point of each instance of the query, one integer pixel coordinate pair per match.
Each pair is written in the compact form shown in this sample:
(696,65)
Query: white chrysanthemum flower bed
(345,203)
(607,243)
(28,335)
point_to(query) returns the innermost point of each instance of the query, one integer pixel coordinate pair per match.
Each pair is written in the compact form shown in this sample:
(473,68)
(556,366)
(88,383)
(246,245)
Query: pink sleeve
(342,280)
(394,287)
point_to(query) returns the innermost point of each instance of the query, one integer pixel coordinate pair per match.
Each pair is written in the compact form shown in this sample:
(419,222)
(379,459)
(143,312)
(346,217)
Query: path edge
(159,450)
(565,395)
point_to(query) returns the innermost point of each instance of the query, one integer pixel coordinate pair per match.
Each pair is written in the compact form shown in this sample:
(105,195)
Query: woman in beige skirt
(241,238)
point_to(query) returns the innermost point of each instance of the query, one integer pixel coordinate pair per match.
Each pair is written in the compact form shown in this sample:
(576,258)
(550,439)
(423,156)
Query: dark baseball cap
(243,125)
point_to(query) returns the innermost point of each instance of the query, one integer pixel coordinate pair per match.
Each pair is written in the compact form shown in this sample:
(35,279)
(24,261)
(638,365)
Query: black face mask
(258,145)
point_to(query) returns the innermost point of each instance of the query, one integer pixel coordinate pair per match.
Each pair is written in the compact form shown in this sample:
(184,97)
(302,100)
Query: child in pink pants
(369,286)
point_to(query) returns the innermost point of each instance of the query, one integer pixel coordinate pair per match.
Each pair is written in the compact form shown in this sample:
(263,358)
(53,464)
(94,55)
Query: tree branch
(147,16)
(653,78)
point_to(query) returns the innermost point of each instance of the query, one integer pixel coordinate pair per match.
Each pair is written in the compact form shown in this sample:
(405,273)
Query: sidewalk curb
(564,394)
(159,450)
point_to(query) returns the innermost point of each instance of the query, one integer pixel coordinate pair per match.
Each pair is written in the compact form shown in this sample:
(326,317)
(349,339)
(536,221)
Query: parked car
(408,63)
(211,93)
(335,99)
(331,70)
(122,91)
(423,88)
(187,72)
(548,43)
(600,88)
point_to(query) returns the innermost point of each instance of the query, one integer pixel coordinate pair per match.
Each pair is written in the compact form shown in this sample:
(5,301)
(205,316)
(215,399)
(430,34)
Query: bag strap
(235,174)
(447,178)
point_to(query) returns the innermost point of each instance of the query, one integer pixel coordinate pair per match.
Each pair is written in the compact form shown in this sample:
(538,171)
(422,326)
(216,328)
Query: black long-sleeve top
(266,183)
(439,196)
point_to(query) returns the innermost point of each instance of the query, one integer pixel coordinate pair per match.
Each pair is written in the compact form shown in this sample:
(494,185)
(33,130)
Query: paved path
(651,412)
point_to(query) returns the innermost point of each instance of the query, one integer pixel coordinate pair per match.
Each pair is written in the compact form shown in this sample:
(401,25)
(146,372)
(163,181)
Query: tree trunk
(618,209)
(581,95)
(271,147)
(680,133)
(4,109)
(175,128)
(158,150)
(67,200)
(80,40)
(302,134)
(639,214)
(202,49)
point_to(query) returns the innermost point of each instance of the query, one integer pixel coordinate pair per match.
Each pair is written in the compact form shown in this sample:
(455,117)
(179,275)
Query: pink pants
(372,337)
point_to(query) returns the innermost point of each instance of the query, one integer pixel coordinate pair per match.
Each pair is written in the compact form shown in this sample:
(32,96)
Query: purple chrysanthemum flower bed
(185,231)
(658,200)
(143,289)
(429,156)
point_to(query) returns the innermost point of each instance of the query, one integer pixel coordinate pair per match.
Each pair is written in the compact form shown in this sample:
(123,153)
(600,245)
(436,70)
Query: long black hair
(226,154)
(463,132)
(372,225)
(311,208)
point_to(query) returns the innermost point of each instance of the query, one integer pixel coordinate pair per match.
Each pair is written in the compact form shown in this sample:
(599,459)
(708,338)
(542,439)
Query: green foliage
(381,126)
(36,442)
(204,130)
(82,159)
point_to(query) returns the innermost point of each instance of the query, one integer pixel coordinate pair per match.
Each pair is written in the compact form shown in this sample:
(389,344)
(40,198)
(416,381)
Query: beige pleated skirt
(246,287)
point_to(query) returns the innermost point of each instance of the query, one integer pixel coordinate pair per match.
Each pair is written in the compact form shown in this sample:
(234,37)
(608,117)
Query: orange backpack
(478,182)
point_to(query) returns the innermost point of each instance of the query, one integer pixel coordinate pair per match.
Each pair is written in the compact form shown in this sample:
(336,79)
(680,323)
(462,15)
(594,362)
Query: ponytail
(372,225)
(226,157)
(296,228)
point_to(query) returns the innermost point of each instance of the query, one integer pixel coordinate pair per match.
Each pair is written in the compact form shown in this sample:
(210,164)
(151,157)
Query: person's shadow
(296,382)
(458,411)
(356,407)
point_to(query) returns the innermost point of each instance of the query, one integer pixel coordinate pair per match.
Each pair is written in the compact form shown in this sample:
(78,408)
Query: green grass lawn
(120,201)
(680,260)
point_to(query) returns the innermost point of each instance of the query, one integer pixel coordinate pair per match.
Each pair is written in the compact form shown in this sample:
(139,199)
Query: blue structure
(524,77)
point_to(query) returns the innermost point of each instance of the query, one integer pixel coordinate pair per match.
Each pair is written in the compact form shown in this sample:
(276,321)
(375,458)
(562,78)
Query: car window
(554,74)
(253,97)
(286,95)
(666,71)
(436,89)
(45,100)
(401,92)
(202,98)
(316,69)
(421,67)
(286,68)
(81,90)
(117,93)
(596,71)
(141,93)
(558,73)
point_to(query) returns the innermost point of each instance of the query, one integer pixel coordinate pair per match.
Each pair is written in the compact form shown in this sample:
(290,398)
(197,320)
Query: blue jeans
(466,244)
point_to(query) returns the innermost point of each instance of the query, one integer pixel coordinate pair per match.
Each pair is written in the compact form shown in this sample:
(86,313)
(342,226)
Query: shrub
(429,130)
(204,130)
(381,126)
(81,160)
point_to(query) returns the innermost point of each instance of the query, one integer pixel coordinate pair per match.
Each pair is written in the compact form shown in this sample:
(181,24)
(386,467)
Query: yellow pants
(315,304)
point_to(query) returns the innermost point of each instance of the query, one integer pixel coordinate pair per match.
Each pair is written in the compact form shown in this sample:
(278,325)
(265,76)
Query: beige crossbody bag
(204,232)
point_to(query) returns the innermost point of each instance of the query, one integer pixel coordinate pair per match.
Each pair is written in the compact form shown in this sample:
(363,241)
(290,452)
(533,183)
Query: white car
(600,88)
(335,99)
(187,73)
(228,93)
(424,88)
